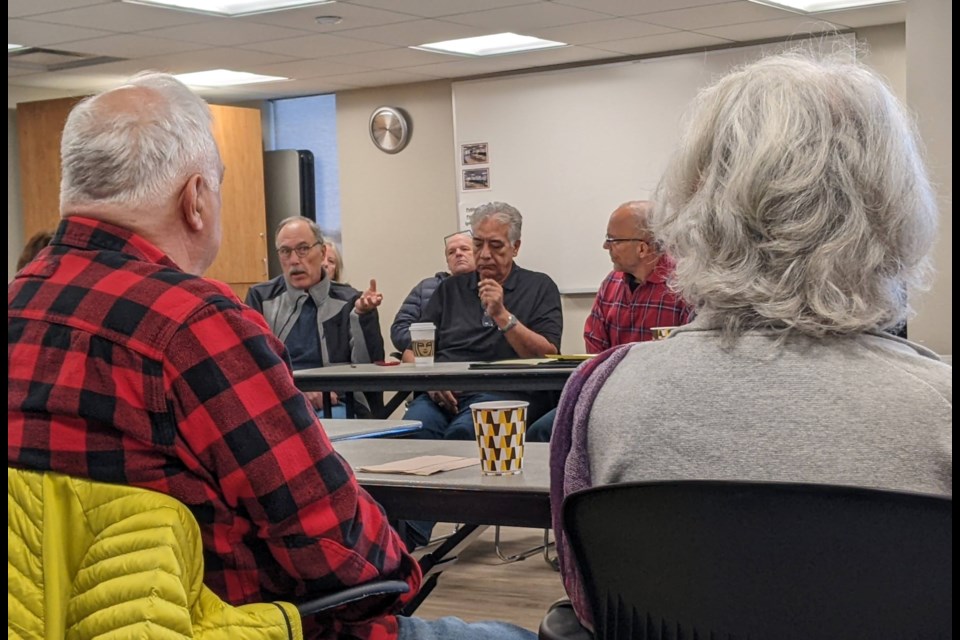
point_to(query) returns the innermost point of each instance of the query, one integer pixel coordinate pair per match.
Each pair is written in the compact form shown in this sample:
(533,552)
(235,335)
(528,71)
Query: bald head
(629,241)
(635,213)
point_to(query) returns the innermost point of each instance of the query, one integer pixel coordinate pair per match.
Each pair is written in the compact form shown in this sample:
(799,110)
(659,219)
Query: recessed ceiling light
(816,6)
(328,19)
(492,45)
(15,47)
(231,8)
(223,78)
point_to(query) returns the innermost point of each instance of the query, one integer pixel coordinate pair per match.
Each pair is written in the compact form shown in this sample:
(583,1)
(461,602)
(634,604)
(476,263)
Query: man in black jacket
(458,248)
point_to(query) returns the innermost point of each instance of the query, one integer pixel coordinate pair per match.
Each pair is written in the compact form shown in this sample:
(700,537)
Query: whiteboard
(567,147)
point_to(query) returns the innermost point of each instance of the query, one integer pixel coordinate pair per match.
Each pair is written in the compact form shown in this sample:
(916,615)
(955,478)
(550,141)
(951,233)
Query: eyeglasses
(465,232)
(301,250)
(609,240)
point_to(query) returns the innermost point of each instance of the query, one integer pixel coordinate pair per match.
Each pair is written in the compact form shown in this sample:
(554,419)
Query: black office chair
(724,560)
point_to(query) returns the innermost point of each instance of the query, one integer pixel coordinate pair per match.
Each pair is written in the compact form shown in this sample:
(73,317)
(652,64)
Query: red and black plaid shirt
(122,368)
(623,314)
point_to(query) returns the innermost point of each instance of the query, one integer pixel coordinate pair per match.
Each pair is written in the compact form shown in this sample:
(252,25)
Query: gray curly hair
(501,212)
(798,200)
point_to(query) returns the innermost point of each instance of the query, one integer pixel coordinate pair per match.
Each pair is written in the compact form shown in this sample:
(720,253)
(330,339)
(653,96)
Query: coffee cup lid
(422,325)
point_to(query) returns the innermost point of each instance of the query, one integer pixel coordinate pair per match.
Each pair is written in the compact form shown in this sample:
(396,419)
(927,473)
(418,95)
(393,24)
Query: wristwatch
(511,323)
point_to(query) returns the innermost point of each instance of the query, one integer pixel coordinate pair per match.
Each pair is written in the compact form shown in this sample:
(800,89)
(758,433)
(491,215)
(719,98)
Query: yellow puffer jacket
(93,560)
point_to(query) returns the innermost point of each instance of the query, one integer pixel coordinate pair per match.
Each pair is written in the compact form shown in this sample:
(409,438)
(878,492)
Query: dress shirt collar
(319,292)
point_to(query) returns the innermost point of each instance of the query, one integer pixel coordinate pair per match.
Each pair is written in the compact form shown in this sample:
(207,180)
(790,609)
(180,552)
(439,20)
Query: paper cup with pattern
(661,333)
(500,427)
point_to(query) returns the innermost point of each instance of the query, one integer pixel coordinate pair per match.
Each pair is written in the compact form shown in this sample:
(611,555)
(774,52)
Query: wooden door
(243,254)
(39,125)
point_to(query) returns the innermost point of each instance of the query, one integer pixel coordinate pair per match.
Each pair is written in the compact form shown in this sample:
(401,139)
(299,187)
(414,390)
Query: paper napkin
(422,465)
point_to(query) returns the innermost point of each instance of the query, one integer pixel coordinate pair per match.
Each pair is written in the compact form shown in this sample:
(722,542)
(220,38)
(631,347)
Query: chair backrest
(88,559)
(719,560)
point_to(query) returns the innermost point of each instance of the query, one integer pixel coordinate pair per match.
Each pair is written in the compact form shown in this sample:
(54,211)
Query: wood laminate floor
(481,587)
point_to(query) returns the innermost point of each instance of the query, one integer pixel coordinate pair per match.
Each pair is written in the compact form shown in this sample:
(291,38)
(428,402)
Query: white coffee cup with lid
(422,341)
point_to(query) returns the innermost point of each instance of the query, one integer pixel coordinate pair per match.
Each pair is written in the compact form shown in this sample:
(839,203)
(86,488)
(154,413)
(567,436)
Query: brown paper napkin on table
(422,465)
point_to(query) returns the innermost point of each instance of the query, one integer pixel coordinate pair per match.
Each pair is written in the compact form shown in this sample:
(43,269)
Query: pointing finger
(373,285)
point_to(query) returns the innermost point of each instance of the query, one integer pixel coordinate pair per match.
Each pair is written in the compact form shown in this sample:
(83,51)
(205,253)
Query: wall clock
(390,129)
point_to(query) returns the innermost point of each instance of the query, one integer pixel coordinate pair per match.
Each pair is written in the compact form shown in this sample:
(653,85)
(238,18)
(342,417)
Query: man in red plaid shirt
(634,297)
(126,366)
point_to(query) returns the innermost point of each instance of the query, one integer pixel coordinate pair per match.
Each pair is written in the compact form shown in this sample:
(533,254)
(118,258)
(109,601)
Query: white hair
(502,213)
(798,200)
(137,156)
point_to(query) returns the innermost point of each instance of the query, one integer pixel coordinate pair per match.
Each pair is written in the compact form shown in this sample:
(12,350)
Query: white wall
(929,72)
(396,209)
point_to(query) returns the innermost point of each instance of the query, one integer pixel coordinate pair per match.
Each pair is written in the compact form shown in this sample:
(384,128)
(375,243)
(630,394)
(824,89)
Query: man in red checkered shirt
(126,366)
(634,297)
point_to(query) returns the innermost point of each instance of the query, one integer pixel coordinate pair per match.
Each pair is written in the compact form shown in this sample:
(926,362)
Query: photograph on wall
(474,179)
(475,153)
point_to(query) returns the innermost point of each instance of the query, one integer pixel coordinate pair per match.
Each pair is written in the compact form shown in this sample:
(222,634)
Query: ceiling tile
(526,16)
(16,71)
(354,17)
(599,31)
(408,34)
(204,59)
(131,46)
(21,8)
(239,33)
(634,7)
(435,9)
(317,46)
(39,34)
(495,64)
(313,86)
(392,58)
(300,69)
(86,84)
(798,26)
(676,41)
(123,17)
(886,14)
(716,15)
(382,78)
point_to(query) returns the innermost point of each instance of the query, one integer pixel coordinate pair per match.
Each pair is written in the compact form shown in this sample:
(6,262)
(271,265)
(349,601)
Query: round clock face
(389,129)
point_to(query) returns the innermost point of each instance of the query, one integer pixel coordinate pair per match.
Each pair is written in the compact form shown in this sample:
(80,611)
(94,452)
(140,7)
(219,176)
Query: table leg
(393,404)
(327,405)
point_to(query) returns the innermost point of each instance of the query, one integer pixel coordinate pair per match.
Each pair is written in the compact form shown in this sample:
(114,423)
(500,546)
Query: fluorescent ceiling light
(492,45)
(223,78)
(15,47)
(816,6)
(230,8)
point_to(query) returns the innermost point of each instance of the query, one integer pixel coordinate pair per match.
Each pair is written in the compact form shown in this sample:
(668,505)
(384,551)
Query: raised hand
(369,299)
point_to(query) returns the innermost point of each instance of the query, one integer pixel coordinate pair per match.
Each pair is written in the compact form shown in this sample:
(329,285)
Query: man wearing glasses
(320,321)
(634,297)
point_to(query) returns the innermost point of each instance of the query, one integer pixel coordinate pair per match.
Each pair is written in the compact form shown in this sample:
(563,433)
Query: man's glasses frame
(609,240)
(302,250)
